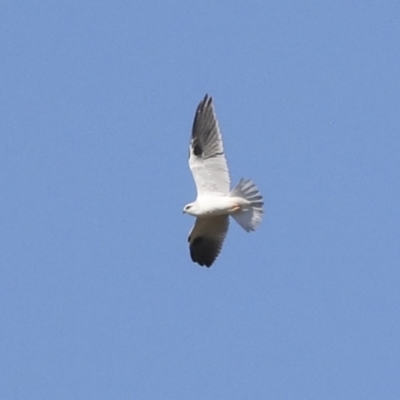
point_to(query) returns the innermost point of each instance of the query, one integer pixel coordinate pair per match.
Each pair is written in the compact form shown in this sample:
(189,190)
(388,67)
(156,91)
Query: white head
(191,209)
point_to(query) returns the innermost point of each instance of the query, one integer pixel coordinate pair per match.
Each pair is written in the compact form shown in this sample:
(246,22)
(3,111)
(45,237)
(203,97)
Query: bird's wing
(206,153)
(206,239)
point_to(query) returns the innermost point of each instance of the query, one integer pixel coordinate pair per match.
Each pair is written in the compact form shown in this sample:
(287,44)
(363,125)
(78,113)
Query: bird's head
(190,209)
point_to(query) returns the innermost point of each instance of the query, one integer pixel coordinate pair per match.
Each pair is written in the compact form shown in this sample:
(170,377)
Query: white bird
(215,201)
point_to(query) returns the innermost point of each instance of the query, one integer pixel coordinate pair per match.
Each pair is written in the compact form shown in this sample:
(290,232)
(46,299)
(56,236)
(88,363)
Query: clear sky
(98,296)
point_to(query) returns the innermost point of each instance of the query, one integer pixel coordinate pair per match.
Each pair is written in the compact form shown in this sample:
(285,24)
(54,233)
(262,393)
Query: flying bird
(215,201)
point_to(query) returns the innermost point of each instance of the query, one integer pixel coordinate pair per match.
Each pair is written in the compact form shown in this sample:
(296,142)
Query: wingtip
(207,100)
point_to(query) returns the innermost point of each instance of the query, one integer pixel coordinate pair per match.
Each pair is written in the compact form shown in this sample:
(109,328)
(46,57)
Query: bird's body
(215,201)
(212,205)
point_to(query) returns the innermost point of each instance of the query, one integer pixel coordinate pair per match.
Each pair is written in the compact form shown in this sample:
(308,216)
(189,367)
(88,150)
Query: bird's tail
(248,217)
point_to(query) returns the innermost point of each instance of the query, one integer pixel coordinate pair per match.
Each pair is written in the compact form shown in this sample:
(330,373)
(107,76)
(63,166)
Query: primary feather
(206,239)
(206,158)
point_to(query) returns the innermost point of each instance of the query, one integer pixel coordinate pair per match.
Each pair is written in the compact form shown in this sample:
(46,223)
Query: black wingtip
(202,251)
(207,101)
(204,108)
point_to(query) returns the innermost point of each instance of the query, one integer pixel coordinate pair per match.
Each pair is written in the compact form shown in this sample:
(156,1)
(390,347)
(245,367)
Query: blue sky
(98,296)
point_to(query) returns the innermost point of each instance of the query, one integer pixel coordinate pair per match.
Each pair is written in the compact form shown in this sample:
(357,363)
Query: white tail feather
(251,217)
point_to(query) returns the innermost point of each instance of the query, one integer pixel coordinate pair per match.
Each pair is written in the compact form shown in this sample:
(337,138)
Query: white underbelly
(218,205)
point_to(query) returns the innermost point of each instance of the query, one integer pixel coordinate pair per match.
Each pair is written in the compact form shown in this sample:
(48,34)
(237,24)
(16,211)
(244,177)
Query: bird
(215,201)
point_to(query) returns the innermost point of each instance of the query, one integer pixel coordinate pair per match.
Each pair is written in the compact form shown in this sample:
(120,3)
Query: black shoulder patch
(197,151)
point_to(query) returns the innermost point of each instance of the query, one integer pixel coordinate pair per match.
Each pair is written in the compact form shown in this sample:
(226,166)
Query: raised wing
(206,239)
(206,153)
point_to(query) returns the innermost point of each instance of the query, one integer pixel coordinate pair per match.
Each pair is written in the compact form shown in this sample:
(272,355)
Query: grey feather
(206,239)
